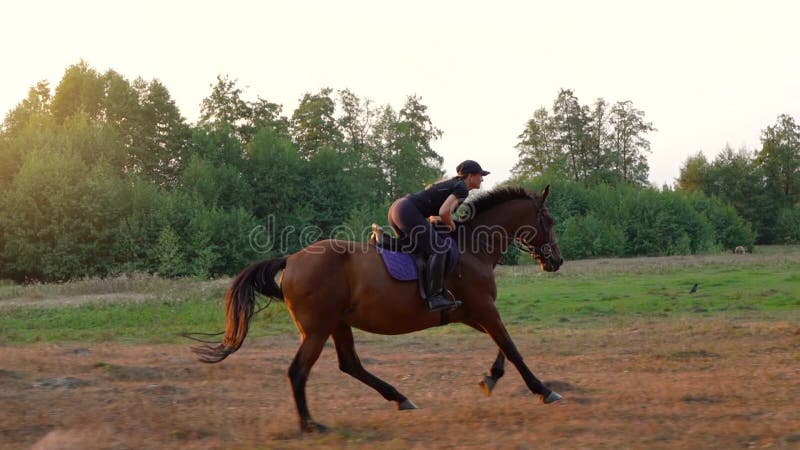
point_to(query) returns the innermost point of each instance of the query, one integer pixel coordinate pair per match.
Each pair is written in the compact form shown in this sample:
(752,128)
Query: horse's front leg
(492,324)
(489,381)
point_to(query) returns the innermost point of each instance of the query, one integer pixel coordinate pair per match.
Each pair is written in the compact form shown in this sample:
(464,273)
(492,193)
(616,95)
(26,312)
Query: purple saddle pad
(401,266)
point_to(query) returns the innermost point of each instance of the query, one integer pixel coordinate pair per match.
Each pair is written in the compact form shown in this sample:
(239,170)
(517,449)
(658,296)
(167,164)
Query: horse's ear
(545,193)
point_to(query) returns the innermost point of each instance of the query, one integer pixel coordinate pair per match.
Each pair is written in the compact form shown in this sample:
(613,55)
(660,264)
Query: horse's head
(522,216)
(539,238)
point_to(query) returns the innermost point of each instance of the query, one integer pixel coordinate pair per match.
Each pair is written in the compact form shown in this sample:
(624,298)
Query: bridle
(540,252)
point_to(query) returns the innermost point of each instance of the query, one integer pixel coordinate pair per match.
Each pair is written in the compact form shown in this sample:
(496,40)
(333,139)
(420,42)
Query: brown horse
(331,286)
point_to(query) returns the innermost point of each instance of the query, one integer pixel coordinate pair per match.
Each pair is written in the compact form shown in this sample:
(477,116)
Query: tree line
(600,152)
(103,175)
(607,220)
(762,185)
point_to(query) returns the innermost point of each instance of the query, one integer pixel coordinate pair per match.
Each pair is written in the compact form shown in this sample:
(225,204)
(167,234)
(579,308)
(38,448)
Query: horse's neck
(506,216)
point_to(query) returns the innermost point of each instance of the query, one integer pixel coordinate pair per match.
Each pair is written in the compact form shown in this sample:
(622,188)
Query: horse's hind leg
(305,358)
(351,365)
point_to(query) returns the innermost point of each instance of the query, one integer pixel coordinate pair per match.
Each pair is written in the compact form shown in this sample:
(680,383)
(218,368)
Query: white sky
(706,73)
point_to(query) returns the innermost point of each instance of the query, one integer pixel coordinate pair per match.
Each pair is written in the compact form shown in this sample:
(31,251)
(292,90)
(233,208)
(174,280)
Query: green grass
(157,321)
(583,294)
(554,299)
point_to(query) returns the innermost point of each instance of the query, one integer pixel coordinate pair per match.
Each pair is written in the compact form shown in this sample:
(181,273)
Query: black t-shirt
(430,200)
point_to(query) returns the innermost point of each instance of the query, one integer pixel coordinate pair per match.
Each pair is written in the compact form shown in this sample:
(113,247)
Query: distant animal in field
(693,289)
(740,250)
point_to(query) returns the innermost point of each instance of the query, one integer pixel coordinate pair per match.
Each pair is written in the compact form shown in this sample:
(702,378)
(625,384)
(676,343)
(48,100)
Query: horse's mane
(485,202)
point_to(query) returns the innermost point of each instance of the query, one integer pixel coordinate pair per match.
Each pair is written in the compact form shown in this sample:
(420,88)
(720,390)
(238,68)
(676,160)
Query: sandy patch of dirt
(693,383)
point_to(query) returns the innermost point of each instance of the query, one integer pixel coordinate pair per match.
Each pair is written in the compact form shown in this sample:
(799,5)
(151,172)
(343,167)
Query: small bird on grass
(694,289)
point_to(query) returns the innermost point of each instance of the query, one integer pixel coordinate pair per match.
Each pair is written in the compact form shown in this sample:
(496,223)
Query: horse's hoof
(313,427)
(406,404)
(487,385)
(552,398)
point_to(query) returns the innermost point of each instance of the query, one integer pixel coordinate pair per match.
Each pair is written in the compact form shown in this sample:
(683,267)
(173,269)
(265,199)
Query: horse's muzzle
(548,256)
(552,263)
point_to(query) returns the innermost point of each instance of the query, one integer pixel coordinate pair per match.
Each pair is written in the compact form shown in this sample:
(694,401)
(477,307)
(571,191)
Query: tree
(787,229)
(780,158)
(537,149)
(356,124)
(65,215)
(591,145)
(277,176)
(313,125)
(362,163)
(25,127)
(165,136)
(570,121)
(382,138)
(599,158)
(225,106)
(413,161)
(738,179)
(628,143)
(357,120)
(215,185)
(218,145)
(123,111)
(694,174)
(37,102)
(265,114)
(81,89)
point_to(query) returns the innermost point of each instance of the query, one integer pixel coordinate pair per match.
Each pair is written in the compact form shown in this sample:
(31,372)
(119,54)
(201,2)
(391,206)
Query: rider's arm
(446,211)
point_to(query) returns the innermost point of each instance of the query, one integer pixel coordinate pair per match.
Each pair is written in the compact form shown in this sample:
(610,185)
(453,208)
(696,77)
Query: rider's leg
(420,237)
(434,283)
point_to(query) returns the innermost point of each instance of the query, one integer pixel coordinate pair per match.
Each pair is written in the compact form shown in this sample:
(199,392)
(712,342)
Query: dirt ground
(676,383)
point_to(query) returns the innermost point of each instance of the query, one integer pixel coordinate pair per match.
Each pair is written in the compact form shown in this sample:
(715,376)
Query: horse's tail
(240,302)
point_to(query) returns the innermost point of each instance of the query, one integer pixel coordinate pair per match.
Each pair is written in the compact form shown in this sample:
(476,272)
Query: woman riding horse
(332,286)
(412,218)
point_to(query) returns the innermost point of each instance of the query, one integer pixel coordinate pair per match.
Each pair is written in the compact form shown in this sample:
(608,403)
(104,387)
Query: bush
(626,220)
(730,230)
(588,236)
(787,230)
(511,256)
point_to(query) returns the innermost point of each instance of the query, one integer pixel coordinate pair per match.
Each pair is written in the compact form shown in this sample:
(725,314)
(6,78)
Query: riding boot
(434,284)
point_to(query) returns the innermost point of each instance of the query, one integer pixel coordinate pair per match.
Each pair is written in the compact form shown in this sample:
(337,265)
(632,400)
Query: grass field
(148,309)
(641,362)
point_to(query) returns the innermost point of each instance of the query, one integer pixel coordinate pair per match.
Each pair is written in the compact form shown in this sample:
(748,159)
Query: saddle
(401,266)
(404,266)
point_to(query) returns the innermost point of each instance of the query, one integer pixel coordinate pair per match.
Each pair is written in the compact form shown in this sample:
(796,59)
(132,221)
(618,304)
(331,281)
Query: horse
(332,285)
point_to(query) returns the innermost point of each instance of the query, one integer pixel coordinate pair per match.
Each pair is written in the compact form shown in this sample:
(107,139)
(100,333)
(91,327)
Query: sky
(706,73)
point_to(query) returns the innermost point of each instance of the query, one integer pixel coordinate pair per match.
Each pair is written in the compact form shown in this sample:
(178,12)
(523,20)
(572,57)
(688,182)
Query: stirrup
(442,303)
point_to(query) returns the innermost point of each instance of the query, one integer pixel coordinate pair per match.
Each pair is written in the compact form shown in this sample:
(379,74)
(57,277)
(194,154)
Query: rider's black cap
(469,166)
